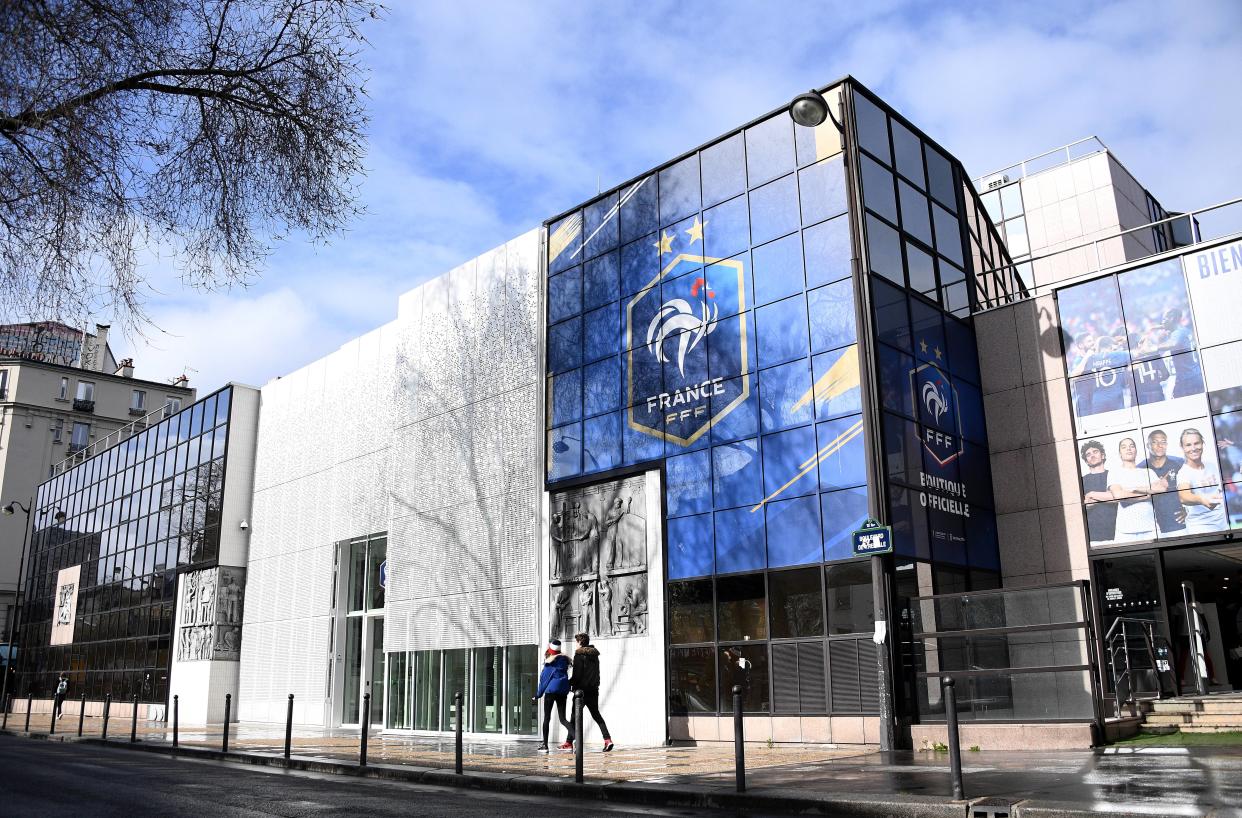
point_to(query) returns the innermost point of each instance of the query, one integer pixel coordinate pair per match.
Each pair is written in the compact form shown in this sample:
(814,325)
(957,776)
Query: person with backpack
(62,689)
(586,679)
(553,688)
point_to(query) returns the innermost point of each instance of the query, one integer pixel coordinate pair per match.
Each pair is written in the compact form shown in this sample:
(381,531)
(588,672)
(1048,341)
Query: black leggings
(551,700)
(590,703)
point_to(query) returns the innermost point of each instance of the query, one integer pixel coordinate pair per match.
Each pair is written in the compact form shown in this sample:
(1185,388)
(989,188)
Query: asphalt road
(50,779)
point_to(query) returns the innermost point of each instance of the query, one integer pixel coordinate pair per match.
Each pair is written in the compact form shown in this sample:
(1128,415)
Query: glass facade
(703,319)
(137,515)
(496,684)
(1154,359)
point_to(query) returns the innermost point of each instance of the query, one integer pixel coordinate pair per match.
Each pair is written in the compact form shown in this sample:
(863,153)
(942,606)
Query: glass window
(600,226)
(908,150)
(884,251)
(1157,310)
(1011,201)
(777,269)
(991,203)
(922,270)
(851,606)
(485,694)
(843,512)
(878,192)
(80,436)
(691,614)
(639,213)
(774,210)
(823,190)
(794,532)
(736,476)
(726,228)
(602,329)
(353,670)
(86,390)
(565,243)
(770,148)
(828,251)
(745,666)
(138,400)
(836,378)
(832,317)
(454,682)
(427,690)
(64,389)
(948,235)
(565,295)
(602,445)
(690,550)
(796,603)
(740,540)
(565,345)
(377,573)
(841,456)
(940,175)
(741,607)
(692,680)
(782,329)
(679,190)
(892,318)
(688,487)
(872,126)
(565,396)
(521,678)
(601,280)
(784,395)
(1015,237)
(602,386)
(724,170)
(565,451)
(914,218)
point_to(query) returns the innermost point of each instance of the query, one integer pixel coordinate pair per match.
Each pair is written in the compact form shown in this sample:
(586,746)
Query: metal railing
(1041,162)
(1122,667)
(83,453)
(1092,248)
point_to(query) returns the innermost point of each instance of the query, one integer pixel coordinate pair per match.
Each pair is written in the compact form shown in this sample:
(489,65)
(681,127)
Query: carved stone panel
(211,614)
(597,561)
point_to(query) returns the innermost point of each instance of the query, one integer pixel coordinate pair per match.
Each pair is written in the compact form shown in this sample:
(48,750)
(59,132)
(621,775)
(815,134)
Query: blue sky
(488,117)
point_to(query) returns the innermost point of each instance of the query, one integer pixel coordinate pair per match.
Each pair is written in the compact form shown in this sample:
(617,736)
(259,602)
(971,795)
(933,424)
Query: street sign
(873,538)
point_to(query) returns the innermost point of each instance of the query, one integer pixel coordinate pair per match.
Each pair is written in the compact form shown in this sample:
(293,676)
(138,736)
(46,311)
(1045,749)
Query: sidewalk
(846,780)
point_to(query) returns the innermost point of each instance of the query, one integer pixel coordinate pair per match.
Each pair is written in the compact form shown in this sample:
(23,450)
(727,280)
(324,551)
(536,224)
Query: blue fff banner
(873,539)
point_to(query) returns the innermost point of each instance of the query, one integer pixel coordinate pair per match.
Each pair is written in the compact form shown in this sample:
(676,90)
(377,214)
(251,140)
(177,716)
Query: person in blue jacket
(553,688)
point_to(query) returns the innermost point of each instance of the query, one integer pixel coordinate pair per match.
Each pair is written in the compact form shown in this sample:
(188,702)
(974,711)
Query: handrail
(1034,290)
(1114,640)
(978,181)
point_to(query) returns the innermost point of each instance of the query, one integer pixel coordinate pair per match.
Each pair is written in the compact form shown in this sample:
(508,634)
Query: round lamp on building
(809,109)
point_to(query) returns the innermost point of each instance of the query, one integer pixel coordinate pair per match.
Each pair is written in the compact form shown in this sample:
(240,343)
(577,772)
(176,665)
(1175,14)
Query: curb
(639,794)
(687,795)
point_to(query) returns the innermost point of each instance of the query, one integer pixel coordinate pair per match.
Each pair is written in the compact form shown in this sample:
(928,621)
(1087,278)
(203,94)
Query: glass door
(377,677)
(363,661)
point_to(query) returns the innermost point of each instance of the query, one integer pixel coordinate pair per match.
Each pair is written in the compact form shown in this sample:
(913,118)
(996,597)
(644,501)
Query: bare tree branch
(205,128)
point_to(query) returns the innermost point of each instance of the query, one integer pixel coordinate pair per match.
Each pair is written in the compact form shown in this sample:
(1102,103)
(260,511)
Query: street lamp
(811,109)
(9,511)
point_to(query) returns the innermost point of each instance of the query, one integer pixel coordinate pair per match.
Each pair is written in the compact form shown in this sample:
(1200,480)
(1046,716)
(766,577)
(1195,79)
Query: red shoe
(569,745)
(608,745)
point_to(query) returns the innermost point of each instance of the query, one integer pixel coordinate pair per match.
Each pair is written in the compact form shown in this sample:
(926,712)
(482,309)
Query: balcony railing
(83,405)
(137,412)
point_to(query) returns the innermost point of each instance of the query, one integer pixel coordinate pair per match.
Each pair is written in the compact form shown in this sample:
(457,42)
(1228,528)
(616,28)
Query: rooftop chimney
(100,359)
(125,368)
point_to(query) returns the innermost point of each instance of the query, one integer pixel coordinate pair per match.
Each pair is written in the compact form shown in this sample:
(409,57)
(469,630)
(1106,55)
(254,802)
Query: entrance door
(362,665)
(1133,630)
(1215,575)
(376,675)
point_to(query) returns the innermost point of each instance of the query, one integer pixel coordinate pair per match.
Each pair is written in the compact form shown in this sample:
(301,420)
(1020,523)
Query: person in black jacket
(586,678)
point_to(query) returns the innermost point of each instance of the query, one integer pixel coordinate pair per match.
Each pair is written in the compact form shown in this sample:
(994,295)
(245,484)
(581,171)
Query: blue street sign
(384,574)
(873,538)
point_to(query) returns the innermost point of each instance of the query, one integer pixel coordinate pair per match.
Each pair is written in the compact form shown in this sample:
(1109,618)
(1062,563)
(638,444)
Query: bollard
(133,722)
(289,727)
(8,702)
(579,736)
(107,712)
(457,729)
(228,711)
(366,728)
(955,743)
(739,740)
(51,725)
(81,715)
(29,704)
(176,718)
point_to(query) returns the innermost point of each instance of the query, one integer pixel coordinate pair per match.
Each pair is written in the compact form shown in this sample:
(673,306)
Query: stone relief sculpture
(211,614)
(598,560)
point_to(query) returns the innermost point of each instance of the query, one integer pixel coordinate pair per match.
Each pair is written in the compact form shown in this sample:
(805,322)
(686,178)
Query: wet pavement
(1174,781)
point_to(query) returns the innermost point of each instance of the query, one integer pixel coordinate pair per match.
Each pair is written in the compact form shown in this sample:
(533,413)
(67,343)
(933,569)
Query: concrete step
(1168,718)
(1158,729)
(1209,728)
(1174,706)
(1230,720)
(1230,707)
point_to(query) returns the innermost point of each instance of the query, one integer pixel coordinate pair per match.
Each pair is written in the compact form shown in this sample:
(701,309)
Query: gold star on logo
(696,230)
(923,346)
(665,244)
(937,351)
